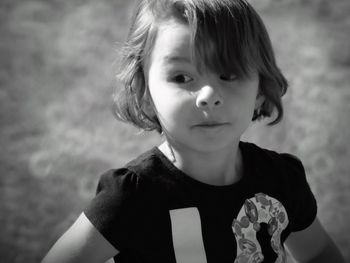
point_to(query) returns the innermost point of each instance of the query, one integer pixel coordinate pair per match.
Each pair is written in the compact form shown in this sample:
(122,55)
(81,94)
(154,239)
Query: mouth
(211,124)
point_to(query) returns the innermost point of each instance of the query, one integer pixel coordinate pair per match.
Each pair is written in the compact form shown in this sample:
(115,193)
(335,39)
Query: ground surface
(57,133)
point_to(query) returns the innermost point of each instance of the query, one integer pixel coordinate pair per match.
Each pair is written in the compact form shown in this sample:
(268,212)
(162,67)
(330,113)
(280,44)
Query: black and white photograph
(175,131)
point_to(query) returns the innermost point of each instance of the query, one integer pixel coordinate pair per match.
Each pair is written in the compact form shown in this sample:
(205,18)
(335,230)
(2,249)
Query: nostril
(217,103)
(203,103)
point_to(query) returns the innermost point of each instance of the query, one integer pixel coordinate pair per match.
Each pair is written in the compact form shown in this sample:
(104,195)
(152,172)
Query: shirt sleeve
(301,199)
(113,211)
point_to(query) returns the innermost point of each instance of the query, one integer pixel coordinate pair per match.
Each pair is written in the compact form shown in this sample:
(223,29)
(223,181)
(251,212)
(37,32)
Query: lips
(210,124)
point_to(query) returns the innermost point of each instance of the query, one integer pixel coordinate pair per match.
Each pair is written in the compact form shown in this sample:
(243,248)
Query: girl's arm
(81,243)
(313,245)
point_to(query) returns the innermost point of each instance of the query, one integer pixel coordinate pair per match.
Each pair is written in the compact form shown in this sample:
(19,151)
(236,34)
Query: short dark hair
(227,36)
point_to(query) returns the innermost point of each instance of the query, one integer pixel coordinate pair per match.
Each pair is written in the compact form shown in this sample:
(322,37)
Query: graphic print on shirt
(187,235)
(259,209)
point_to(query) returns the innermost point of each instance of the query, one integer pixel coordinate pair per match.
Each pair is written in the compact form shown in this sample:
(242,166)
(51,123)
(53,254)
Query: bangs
(224,38)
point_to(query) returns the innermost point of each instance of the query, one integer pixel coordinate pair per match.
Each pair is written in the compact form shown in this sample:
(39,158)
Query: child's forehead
(218,42)
(173,45)
(173,39)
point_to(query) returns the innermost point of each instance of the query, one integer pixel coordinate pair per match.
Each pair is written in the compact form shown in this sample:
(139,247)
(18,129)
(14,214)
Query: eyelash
(229,77)
(223,77)
(175,78)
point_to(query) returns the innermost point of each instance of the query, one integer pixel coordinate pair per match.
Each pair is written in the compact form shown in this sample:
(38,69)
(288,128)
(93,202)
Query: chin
(213,146)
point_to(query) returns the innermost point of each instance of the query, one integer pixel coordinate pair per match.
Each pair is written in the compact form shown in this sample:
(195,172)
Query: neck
(221,167)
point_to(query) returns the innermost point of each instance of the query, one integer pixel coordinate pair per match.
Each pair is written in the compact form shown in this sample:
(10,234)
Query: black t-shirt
(151,211)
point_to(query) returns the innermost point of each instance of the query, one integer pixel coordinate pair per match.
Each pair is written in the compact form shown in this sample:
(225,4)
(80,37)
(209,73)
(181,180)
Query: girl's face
(198,109)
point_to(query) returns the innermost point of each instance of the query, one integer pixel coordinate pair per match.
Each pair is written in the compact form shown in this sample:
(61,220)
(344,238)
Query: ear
(260,99)
(148,108)
(148,105)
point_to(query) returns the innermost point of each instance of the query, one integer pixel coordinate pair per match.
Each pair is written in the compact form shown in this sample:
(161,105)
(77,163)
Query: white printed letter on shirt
(187,235)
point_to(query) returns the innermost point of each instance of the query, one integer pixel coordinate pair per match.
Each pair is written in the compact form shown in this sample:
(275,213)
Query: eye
(181,78)
(228,77)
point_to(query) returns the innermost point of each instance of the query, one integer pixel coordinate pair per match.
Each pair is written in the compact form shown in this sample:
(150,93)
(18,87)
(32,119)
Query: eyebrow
(171,58)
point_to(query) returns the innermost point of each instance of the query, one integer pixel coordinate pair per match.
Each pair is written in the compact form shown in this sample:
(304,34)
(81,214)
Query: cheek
(174,107)
(171,104)
(249,95)
(242,103)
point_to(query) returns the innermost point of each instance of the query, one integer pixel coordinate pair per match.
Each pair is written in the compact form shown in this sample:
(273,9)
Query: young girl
(198,72)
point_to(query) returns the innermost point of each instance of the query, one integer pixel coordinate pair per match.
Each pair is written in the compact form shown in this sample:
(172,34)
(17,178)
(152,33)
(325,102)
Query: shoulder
(121,179)
(284,168)
(273,159)
(128,178)
(147,163)
(116,191)
(285,173)
(120,201)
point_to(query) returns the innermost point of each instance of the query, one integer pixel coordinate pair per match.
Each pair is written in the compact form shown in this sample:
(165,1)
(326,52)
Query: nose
(208,98)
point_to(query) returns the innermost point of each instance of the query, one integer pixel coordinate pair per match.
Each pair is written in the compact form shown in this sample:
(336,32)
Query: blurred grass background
(58,134)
